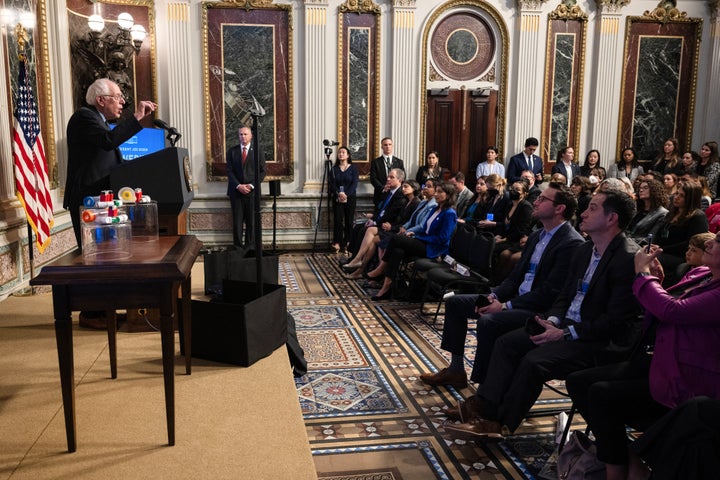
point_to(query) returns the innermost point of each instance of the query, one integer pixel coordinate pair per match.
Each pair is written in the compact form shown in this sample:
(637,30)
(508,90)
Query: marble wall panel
(561,93)
(359,93)
(656,93)
(222,221)
(248,57)
(659,83)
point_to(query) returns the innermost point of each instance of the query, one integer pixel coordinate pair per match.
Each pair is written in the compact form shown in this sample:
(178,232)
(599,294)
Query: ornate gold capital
(611,5)
(665,12)
(530,4)
(250,4)
(714,8)
(568,10)
(404,3)
(359,6)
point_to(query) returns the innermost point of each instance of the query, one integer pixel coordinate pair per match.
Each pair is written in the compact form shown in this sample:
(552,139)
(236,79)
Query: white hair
(101,86)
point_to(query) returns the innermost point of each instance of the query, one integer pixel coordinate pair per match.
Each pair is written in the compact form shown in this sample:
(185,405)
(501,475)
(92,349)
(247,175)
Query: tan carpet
(231,422)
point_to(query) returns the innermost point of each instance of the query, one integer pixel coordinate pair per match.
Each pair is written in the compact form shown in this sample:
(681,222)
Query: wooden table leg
(112,341)
(167,336)
(63,337)
(186,330)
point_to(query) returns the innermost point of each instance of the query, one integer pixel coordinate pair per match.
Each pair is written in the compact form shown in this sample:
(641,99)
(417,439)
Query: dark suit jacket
(609,311)
(392,211)
(550,273)
(237,173)
(92,152)
(378,176)
(559,167)
(517,164)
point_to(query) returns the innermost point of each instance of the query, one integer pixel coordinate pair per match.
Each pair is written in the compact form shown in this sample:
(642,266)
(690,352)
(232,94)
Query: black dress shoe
(386,296)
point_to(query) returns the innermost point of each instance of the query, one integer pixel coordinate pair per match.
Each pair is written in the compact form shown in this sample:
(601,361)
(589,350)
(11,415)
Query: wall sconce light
(440,92)
(103,44)
(10,18)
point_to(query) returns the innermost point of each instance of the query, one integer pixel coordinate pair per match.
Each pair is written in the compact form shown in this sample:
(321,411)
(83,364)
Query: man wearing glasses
(93,151)
(531,287)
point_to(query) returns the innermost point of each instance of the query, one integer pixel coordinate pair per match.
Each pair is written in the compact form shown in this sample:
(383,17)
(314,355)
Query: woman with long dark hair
(592,166)
(626,166)
(652,200)
(432,242)
(342,185)
(684,220)
(709,166)
(431,169)
(669,159)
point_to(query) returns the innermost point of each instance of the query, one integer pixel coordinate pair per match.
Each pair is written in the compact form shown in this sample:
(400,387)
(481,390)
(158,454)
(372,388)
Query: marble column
(711,117)
(403,115)
(179,62)
(318,123)
(7,174)
(530,55)
(603,132)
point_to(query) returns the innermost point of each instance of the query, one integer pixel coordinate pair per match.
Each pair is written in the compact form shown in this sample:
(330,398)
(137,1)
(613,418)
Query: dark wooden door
(461,127)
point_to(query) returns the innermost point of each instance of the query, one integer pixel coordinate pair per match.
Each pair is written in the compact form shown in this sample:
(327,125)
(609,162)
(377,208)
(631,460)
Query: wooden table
(152,277)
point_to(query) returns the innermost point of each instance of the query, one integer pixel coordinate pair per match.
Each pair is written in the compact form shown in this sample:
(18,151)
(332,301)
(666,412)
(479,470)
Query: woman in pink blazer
(682,362)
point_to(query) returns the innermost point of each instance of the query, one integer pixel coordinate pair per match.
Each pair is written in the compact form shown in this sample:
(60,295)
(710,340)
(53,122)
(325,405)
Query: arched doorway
(464,79)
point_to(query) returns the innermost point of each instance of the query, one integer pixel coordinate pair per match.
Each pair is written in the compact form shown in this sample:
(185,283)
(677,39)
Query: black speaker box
(241,328)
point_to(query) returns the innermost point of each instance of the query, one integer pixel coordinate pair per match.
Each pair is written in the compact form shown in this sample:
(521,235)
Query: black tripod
(326,170)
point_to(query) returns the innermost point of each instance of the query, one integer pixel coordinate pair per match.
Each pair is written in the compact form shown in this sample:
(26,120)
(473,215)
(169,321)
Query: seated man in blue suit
(525,160)
(531,287)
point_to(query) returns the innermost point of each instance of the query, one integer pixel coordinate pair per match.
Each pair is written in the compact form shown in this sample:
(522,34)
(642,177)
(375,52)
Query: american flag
(31,179)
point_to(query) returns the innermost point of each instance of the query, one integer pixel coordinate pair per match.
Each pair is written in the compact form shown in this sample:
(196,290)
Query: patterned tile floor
(367,414)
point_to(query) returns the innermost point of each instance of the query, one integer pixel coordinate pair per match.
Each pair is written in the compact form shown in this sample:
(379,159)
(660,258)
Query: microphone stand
(257,111)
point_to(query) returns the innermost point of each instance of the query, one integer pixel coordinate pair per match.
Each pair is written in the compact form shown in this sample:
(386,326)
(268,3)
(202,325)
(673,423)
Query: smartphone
(490,217)
(648,242)
(482,301)
(532,327)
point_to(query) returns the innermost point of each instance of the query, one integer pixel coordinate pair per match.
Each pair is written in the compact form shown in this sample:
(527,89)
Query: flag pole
(31,255)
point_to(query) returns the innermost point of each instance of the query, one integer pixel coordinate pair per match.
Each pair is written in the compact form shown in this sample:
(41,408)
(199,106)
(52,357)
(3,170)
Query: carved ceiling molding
(250,4)
(360,6)
(569,10)
(611,6)
(665,12)
(714,9)
(530,4)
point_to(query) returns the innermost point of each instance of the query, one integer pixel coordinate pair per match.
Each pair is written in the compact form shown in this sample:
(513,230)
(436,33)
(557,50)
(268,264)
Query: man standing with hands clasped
(241,177)
(380,168)
(525,160)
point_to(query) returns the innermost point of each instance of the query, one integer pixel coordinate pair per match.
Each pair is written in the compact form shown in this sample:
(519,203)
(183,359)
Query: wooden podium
(166,176)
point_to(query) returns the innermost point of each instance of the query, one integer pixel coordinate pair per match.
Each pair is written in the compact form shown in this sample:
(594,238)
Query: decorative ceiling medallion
(568,10)
(360,6)
(665,12)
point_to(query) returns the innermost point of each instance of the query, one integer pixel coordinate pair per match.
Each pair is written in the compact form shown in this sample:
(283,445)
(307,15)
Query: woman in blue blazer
(431,242)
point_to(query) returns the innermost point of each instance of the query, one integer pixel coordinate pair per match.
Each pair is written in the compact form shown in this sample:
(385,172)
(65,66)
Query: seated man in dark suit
(388,209)
(380,168)
(525,160)
(531,287)
(592,319)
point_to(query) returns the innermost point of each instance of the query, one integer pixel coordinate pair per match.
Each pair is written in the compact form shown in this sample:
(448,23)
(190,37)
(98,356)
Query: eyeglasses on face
(118,97)
(543,198)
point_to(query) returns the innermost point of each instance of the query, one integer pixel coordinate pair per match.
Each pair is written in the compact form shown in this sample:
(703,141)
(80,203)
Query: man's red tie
(244,154)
